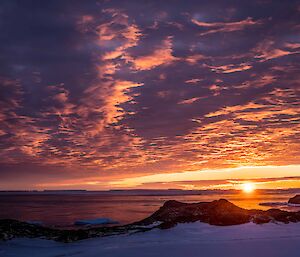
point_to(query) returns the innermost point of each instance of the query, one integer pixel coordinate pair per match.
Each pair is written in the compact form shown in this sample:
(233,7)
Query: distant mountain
(153,192)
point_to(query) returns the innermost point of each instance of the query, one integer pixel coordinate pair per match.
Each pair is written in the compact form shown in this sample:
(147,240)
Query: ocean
(62,209)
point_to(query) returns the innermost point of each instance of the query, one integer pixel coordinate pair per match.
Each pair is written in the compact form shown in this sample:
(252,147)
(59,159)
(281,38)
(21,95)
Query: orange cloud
(215,178)
(216,27)
(162,55)
(230,68)
(119,38)
(192,81)
(189,101)
(194,59)
(266,51)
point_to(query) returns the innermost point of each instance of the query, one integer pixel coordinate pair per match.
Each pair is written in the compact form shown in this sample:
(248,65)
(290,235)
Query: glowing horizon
(231,174)
(262,177)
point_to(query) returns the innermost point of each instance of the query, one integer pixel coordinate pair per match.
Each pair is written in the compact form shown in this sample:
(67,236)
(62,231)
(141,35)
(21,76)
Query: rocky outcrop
(220,212)
(13,228)
(295,200)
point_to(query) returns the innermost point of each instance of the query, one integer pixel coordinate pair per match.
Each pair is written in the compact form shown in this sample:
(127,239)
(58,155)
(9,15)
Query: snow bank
(191,239)
(93,222)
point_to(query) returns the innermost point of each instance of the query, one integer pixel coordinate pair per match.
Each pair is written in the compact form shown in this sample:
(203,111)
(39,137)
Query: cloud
(192,81)
(162,55)
(189,101)
(215,179)
(266,51)
(230,68)
(129,91)
(215,27)
(266,183)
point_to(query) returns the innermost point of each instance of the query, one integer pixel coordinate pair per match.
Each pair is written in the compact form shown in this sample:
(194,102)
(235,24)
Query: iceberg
(35,222)
(94,222)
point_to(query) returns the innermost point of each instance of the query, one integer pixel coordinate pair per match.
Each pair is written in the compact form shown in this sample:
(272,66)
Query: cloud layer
(114,89)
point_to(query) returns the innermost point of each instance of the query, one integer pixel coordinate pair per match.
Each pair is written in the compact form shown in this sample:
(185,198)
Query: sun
(248,187)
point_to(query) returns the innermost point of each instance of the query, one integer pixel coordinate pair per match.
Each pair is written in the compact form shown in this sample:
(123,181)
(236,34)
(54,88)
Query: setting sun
(248,187)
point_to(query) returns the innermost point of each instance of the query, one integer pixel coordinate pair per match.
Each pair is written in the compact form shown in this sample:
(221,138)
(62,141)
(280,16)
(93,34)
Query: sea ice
(189,239)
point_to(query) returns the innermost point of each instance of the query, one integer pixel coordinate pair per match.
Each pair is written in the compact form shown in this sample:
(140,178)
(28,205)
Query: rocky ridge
(295,199)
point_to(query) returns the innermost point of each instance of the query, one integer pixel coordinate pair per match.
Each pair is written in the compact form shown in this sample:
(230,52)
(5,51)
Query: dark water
(62,209)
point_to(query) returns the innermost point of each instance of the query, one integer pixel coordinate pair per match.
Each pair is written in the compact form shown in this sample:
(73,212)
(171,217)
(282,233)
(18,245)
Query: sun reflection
(248,187)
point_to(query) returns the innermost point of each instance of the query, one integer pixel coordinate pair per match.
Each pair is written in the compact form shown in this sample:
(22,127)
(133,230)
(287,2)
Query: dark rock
(12,228)
(220,213)
(295,199)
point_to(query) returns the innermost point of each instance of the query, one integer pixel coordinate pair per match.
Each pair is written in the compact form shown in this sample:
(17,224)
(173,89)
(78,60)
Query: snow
(99,221)
(190,239)
(294,204)
(282,205)
(35,222)
(274,204)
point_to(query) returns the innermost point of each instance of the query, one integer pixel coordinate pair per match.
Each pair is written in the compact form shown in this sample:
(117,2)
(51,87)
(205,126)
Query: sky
(149,94)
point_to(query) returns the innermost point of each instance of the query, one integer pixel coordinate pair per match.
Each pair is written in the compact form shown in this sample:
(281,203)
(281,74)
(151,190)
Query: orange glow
(247,173)
(248,187)
(161,55)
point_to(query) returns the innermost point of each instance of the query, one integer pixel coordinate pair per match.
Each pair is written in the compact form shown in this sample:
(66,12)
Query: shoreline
(219,212)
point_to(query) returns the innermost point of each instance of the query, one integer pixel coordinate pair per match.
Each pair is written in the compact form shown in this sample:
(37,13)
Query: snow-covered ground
(185,240)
